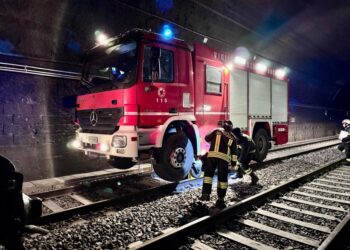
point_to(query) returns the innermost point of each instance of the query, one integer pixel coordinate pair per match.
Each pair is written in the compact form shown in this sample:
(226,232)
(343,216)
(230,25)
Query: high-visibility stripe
(217,142)
(233,157)
(348,159)
(222,185)
(248,171)
(208,180)
(219,155)
(210,113)
(229,145)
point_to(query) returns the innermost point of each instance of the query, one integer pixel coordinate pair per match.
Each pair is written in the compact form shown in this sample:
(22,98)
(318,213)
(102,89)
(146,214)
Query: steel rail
(98,205)
(74,185)
(177,237)
(303,143)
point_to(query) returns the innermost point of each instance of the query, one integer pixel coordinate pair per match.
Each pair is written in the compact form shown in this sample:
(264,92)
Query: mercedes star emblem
(93,118)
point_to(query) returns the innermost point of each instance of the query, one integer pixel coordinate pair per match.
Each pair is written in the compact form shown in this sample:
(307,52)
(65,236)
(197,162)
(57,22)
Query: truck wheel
(121,162)
(175,158)
(261,140)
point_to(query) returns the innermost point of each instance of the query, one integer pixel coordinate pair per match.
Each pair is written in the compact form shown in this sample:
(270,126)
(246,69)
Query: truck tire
(175,158)
(261,140)
(121,162)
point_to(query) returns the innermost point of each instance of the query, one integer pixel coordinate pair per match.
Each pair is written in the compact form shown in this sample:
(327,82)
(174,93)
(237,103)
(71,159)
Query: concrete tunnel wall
(36,111)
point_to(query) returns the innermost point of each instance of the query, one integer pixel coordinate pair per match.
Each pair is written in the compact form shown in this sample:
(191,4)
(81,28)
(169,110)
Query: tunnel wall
(36,111)
(36,122)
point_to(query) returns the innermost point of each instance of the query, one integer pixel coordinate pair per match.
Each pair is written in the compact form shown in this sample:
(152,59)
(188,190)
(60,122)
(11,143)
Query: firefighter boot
(254,178)
(220,203)
(205,197)
(239,174)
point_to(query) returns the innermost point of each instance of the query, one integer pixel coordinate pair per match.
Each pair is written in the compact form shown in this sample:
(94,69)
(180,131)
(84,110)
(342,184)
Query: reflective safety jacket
(346,138)
(222,145)
(245,146)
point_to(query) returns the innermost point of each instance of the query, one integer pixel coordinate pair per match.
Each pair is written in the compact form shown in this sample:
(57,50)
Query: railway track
(124,221)
(95,194)
(311,216)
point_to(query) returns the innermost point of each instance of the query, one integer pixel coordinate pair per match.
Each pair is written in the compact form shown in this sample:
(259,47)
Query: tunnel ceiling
(310,37)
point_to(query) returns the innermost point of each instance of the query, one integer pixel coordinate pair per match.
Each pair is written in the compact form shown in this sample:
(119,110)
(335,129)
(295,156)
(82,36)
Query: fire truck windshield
(114,68)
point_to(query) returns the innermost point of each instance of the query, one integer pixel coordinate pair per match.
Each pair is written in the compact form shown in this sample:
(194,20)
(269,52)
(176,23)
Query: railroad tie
(281,233)
(243,240)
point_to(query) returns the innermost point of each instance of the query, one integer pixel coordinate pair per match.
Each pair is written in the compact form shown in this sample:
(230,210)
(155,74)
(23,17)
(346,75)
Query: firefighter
(16,209)
(245,152)
(221,153)
(345,139)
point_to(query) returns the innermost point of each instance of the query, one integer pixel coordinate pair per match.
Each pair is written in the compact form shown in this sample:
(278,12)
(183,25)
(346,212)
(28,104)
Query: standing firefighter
(246,151)
(345,139)
(221,153)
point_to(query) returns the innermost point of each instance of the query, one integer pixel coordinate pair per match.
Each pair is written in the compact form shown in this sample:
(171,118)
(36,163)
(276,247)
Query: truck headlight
(104,147)
(119,141)
(76,144)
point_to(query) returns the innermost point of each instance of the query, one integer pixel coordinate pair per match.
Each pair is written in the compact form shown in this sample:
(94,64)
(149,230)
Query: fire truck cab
(153,97)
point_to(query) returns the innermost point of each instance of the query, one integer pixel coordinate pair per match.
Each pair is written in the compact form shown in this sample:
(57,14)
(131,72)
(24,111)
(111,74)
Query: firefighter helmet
(237,132)
(227,125)
(346,123)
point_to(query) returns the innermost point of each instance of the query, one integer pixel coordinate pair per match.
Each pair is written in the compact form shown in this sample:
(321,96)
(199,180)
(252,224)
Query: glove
(341,147)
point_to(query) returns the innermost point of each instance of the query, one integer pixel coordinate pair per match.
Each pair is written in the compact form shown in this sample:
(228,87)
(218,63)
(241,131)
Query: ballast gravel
(140,220)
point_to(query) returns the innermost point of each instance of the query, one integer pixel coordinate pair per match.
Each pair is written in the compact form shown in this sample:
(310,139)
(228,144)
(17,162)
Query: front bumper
(97,143)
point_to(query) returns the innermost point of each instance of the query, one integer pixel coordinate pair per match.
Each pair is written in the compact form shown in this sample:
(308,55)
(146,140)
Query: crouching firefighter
(245,152)
(344,136)
(16,209)
(222,147)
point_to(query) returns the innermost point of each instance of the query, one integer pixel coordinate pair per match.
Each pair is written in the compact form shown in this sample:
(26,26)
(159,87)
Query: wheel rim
(178,157)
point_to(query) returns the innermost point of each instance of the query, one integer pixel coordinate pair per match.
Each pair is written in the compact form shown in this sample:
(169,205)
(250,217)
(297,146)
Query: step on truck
(152,97)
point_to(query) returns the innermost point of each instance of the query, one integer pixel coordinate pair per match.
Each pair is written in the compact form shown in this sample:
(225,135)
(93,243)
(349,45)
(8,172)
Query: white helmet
(346,123)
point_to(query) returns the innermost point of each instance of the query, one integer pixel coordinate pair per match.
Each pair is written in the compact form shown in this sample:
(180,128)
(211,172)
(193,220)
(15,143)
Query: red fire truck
(157,97)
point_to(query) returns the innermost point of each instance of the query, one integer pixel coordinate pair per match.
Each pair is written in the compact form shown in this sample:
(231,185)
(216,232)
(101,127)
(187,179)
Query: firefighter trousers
(245,164)
(347,150)
(209,171)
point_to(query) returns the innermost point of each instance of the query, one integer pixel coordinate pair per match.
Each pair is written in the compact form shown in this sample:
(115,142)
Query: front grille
(107,120)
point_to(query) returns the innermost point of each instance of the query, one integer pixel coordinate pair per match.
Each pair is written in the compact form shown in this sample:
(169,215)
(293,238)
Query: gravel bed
(144,219)
(337,214)
(290,168)
(321,156)
(328,203)
(118,188)
(265,237)
(302,217)
(287,227)
(66,202)
(327,195)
